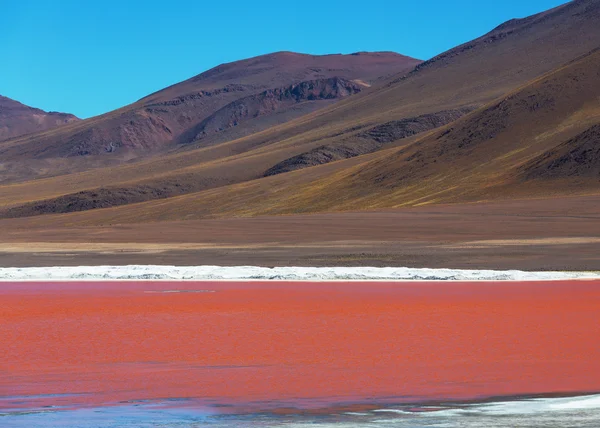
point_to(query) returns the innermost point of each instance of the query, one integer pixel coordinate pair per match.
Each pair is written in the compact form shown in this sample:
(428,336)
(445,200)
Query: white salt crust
(150,272)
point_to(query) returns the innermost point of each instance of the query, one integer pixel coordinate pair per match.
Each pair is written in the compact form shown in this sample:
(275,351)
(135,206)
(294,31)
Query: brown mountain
(540,140)
(578,157)
(252,95)
(476,72)
(17,119)
(268,108)
(511,115)
(390,114)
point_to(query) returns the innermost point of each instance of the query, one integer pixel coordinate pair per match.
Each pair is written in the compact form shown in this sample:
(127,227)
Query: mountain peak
(281,68)
(18,119)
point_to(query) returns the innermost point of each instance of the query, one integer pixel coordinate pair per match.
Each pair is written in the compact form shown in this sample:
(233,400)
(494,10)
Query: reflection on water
(583,412)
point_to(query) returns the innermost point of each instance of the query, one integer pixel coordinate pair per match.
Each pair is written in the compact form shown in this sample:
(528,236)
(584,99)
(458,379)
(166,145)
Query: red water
(248,341)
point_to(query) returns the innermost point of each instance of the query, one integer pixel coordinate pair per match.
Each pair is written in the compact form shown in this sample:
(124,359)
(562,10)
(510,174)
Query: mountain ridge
(17,119)
(499,83)
(154,124)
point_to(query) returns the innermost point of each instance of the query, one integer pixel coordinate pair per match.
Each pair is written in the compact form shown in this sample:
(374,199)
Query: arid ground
(543,234)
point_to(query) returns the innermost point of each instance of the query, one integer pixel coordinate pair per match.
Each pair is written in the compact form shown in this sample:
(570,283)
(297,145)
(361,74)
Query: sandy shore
(299,342)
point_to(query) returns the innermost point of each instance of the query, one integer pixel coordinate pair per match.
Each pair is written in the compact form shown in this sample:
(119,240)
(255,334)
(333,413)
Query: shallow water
(581,412)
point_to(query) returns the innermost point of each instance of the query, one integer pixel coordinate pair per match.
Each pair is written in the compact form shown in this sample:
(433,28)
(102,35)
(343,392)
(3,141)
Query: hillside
(17,119)
(486,156)
(176,115)
(481,121)
(541,140)
(578,157)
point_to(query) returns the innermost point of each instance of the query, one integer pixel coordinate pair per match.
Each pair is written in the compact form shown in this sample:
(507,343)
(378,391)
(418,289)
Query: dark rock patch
(577,157)
(269,102)
(368,141)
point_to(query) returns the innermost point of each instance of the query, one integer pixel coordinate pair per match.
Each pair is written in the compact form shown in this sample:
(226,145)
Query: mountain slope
(519,117)
(18,119)
(281,104)
(578,157)
(540,140)
(476,72)
(155,123)
(510,148)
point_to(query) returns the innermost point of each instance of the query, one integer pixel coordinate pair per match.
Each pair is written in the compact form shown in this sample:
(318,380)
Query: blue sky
(89,57)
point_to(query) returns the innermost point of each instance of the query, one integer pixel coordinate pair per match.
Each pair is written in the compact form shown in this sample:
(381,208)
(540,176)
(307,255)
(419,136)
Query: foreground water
(267,354)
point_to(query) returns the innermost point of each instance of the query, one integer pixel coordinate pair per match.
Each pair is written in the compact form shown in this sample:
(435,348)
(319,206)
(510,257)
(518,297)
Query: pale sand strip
(140,247)
(517,242)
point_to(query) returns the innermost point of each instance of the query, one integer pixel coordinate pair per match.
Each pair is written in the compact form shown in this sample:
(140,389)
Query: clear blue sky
(90,56)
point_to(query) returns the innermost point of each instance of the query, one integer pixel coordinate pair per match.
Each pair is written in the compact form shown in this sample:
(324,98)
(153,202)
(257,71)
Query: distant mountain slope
(539,140)
(275,69)
(156,122)
(475,72)
(530,85)
(368,141)
(578,157)
(17,119)
(282,104)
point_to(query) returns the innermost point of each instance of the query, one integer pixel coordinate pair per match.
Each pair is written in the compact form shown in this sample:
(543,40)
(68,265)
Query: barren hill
(484,156)
(18,119)
(513,114)
(176,115)
(540,140)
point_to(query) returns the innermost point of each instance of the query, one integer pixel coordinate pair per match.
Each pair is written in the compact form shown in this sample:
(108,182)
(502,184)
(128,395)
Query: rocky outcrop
(272,101)
(131,131)
(97,198)
(205,106)
(368,141)
(577,157)
(190,98)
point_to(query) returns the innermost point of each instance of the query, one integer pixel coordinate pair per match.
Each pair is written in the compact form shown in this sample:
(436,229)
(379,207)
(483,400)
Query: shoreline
(292,281)
(247,273)
(329,406)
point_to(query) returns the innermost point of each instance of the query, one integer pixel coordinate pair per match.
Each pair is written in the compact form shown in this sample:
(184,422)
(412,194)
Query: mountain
(250,95)
(511,114)
(476,72)
(17,119)
(540,140)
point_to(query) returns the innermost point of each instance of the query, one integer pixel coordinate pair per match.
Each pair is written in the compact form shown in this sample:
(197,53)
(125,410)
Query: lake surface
(405,354)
